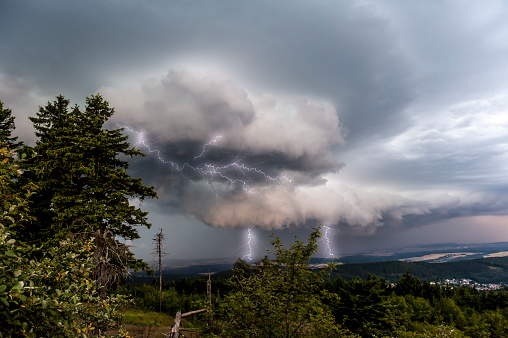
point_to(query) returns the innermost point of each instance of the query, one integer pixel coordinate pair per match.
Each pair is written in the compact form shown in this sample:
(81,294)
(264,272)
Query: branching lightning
(214,141)
(212,170)
(223,172)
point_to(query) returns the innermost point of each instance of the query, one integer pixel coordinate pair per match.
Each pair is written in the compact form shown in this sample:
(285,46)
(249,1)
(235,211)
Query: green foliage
(361,308)
(409,285)
(53,295)
(47,292)
(83,182)
(147,297)
(242,268)
(13,195)
(281,297)
(10,200)
(372,308)
(6,127)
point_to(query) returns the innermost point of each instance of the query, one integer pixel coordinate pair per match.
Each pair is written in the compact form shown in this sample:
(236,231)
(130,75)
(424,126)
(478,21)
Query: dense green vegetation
(281,297)
(412,308)
(64,204)
(82,183)
(369,307)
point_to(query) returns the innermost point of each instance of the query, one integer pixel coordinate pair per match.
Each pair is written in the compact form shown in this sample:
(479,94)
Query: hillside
(484,270)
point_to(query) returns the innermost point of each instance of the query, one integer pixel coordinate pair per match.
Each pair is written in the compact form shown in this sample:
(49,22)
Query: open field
(429,257)
(143,324)
(497,254)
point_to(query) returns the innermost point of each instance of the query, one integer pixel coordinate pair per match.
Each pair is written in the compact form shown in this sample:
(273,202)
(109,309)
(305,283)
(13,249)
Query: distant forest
(483,270)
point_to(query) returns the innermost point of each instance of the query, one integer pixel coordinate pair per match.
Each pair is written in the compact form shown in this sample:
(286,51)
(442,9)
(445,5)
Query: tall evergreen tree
(83,181)
(48,168)
(6,127)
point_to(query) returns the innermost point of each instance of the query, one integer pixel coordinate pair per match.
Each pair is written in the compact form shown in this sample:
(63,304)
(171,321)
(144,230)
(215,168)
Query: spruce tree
(48,169)
(84,184)
(6,127)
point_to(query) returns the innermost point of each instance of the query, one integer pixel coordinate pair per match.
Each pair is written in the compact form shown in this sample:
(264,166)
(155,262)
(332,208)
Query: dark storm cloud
(227,147)
(282,137)
(351,53)
(410,96)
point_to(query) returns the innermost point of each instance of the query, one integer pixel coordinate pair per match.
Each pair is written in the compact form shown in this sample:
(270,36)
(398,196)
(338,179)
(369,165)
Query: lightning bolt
(212,170)
(214,141)
(251,246)
(217,170)
(250,239)
(327,241)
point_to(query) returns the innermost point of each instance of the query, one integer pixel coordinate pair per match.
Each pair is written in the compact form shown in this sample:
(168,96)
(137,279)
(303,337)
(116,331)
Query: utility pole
(159,252)
(209,298)
(209,292)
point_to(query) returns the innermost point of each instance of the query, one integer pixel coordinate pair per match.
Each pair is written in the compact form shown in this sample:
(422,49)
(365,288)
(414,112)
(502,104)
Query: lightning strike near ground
(326,238)
(250,239)
(251,246)
(227,169)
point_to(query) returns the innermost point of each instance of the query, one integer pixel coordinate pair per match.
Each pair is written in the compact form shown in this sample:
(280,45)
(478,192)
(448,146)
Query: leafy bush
(45,291)
(280,298)
(50,292)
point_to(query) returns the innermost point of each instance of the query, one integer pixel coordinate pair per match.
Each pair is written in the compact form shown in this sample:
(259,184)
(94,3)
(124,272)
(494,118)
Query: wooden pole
(160,269)
(209,292)
(209,298)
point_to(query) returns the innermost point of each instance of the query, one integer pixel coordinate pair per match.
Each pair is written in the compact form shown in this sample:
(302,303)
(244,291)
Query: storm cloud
(375,117)
(233,158)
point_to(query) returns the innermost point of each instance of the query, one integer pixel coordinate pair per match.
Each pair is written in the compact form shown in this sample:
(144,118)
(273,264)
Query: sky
(384,121)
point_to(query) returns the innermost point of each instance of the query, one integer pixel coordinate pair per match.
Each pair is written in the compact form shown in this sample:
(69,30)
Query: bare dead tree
(110,259)
(157,254)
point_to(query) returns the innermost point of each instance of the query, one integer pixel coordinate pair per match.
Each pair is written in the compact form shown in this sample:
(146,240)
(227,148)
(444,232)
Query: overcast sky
(385,121)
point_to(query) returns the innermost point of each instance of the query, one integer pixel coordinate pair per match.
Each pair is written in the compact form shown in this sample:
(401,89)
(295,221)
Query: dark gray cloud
(384,114)
(229,148)
(353,53)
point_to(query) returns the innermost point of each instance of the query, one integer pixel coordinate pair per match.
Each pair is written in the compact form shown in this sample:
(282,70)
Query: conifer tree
(47,169)
(84,185)
(6,127)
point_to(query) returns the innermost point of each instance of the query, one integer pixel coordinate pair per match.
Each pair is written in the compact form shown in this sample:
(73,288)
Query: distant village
(472,283)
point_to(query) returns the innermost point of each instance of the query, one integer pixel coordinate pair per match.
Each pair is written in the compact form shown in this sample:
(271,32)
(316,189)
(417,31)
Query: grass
(142,323)
(140,317)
